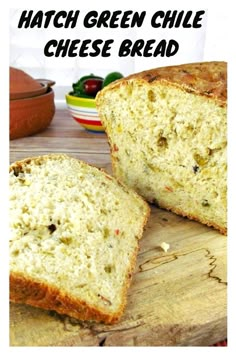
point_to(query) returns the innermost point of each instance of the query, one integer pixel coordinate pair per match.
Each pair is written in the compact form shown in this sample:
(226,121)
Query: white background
(27,45)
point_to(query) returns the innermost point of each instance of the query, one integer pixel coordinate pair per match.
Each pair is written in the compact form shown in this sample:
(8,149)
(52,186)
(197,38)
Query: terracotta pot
(31,104)
(31,115)
(22,83)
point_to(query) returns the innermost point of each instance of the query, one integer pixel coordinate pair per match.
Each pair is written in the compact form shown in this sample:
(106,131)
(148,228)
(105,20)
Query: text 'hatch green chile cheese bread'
(167,129)
(74,237)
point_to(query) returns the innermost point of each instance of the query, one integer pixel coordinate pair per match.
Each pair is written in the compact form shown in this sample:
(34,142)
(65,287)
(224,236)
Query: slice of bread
(167,130)
(74,237)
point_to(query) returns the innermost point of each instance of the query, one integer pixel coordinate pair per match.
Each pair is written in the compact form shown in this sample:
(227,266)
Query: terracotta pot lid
(23,85)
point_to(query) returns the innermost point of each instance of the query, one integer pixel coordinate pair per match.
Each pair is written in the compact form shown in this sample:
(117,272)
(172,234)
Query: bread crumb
(75,230)
(173,149)
(165,246)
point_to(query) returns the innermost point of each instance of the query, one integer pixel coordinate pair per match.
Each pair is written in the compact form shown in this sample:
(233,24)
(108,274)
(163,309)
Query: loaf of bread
(167,133)
(74,237)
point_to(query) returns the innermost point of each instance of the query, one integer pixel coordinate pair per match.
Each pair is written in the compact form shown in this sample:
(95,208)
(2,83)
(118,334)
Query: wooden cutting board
(177,298)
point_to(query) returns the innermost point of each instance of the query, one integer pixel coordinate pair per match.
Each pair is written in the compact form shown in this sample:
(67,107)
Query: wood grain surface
(176,298)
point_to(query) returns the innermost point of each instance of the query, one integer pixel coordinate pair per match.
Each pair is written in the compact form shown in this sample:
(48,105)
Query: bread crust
(180,212)
(38,294)
(23,290)
(222,230)
(29,291)
(206,79)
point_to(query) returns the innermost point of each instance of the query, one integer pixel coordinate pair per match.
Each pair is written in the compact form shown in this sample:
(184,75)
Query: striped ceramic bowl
(83,110)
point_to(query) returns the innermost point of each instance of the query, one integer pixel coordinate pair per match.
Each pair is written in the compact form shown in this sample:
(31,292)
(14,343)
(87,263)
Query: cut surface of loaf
(74,237)
(167,130)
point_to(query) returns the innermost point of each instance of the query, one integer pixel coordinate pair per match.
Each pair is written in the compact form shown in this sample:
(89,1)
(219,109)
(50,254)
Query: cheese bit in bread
(167,132)
(165,246)
(74,237)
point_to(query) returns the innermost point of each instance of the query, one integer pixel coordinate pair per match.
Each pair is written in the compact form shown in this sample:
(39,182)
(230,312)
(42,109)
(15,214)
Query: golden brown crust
(30,292)
(27,291)
(206,78)
(223,230)
(18,165)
